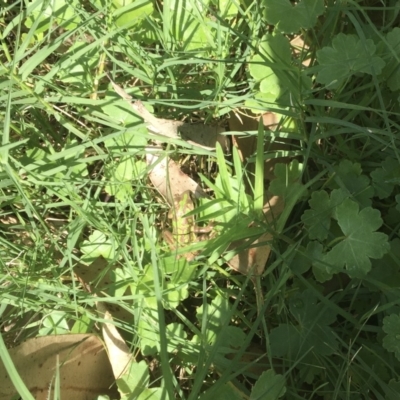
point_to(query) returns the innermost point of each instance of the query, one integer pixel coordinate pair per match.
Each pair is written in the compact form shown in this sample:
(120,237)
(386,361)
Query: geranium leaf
(321,269)
(347,56)
(285,341)
(288,18)
(348,176)
(361,242)
(391,342)
(308,311)
(287,179)
(318,218)
(269,386)
(386,177)
(386,271)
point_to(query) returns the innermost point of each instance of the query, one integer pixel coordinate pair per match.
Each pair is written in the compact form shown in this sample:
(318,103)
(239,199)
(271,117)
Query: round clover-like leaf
(361,242)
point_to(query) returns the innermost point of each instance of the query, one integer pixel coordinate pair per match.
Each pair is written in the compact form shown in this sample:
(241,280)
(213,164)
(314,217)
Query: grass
(314,324)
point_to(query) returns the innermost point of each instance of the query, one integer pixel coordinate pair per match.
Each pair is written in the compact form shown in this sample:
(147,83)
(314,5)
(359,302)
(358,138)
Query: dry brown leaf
(94,277)
(168,179)
(84,367)
(119,355)
(299,46)
(247,145)
(252,261)
(204,136)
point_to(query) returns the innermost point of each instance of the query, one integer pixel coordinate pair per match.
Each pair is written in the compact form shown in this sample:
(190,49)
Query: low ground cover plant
(98,97)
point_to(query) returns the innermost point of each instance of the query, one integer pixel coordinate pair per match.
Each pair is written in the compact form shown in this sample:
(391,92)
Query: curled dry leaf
(168,179)
(84,367)
(118,352)
(204,136)
(95,278)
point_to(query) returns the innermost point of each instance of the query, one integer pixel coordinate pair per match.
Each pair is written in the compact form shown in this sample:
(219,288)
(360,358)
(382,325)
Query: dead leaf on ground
(253,260)
(168,179)
(84,367)
(198,134)
(119,354)
(247,145)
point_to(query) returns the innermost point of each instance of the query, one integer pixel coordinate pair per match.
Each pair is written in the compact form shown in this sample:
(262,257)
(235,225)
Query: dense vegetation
(322,319)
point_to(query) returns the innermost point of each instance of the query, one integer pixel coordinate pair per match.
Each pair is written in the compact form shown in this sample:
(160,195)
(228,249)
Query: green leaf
(121,175)
(98,245)
(290,19)
(147,327)
(269,81)
(318,219)
(60,12)
(135,379)
(180,270)
(285,341)
(312,334)
(227,8)
(190,28)
(300,263)
(151,394)
(222,392)
(338,196)
(347,56)
(176,335)
(321,269)
(78,64)
(130,139)
(392,70)
(386,177)
(308,311)
(149,335)
(348,176)
(269,386)
(392,392)
(287,181)
(314,319)
(276,49)
(174,295)
(217,313)
(391,342)
(55,323)
(272,68)
(261,101)
(361,242)
(121,112)
(66,167)
(386,271)
(129,13)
